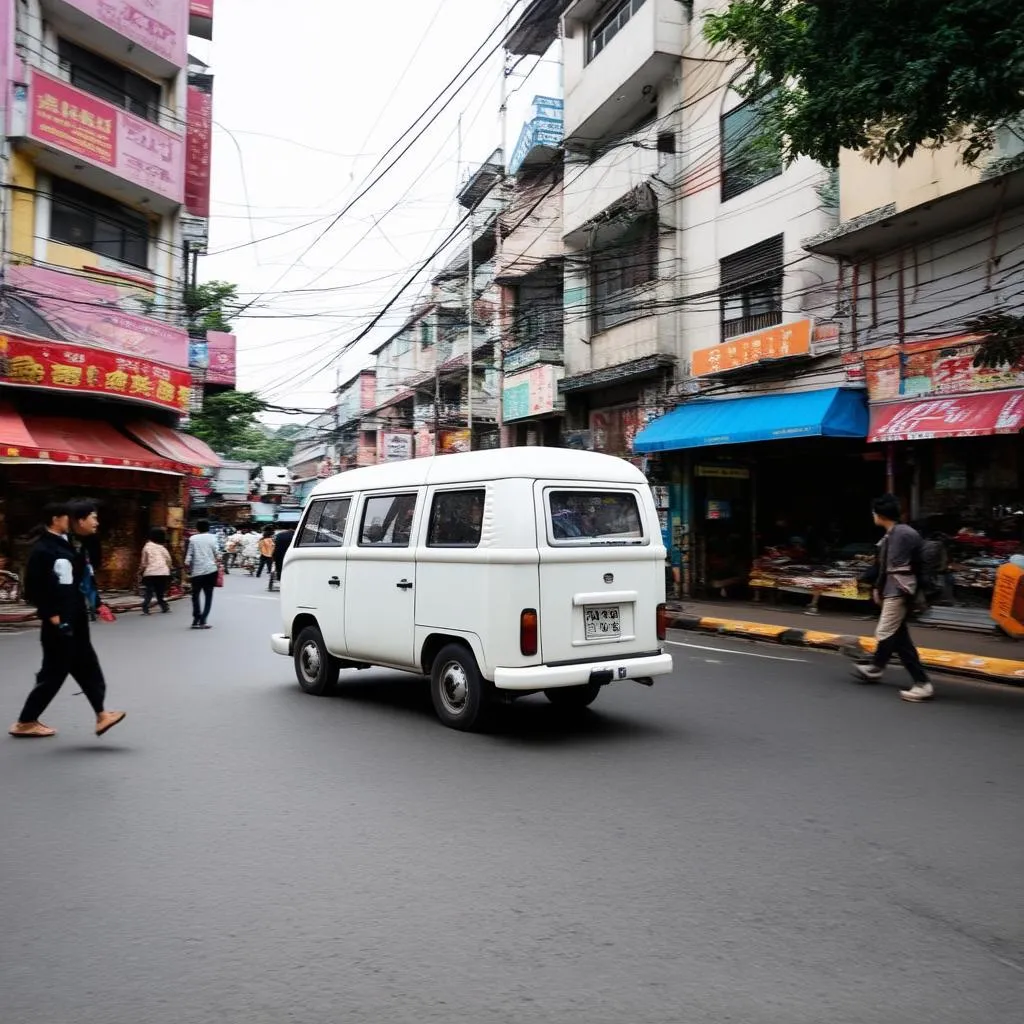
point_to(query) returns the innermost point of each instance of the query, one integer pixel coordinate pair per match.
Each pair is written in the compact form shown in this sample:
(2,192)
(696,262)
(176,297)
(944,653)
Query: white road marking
(725,650)
(258,597)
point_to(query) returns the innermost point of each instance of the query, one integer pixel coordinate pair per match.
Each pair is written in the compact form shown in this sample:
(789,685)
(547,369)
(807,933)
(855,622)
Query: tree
(1003,343)
(885,77)
(210,307)
(228,423)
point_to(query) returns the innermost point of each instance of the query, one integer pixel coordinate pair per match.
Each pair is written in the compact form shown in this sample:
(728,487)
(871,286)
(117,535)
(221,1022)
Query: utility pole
(503,135)
(471,290)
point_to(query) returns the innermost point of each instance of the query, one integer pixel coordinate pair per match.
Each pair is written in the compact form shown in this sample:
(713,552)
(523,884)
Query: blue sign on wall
(198,355)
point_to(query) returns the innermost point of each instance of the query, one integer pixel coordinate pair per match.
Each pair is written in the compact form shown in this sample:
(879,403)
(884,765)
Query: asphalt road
(753,840)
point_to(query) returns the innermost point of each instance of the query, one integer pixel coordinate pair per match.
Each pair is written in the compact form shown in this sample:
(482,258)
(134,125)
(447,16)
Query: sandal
(107,720)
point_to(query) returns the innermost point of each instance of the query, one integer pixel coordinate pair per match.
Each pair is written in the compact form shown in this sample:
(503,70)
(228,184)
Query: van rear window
(595,517)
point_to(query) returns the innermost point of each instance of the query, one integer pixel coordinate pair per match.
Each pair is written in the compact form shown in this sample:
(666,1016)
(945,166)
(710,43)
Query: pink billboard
(201,8)
(160,26)
(223,367)
(90,313)
(75,122)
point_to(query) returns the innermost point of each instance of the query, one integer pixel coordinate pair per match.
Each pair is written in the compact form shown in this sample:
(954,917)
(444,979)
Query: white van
(496,573)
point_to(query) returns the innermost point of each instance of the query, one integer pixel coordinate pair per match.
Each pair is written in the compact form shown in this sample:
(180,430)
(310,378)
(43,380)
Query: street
(754,839)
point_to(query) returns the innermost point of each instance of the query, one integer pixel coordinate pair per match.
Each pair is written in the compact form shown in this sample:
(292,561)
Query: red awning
(188,452)
(975,415)
(73,442)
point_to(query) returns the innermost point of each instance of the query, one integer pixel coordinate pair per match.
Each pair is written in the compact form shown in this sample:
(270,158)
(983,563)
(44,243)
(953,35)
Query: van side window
(595,517)
(456,518)
(387,520)
(324,526)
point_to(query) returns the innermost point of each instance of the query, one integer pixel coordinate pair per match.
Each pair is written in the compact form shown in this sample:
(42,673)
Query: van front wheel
(461,695)
(573,696)
(315,668)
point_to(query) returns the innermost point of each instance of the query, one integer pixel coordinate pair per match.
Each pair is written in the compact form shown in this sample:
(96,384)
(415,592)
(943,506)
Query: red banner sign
(201,8)
(52,365)
(73,121)
(960,416)
(199,145)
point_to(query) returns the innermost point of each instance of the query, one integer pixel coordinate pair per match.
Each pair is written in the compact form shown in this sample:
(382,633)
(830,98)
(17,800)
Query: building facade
(105,165)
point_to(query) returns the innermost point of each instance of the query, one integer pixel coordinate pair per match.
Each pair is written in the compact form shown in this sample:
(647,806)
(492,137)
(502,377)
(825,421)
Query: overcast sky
(313,92)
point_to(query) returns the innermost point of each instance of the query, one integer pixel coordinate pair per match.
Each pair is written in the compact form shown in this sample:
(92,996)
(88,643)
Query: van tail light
(528,632)
(663,620)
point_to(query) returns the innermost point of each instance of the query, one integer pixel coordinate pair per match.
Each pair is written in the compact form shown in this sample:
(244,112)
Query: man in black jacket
(58,577)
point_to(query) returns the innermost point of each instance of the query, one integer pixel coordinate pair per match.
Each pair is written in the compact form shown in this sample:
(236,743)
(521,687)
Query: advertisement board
(782,342)
(222,367)
(199,145)
(159,26)
(395,447)
(54,366)
(77,123)
(531,393)
(84,311)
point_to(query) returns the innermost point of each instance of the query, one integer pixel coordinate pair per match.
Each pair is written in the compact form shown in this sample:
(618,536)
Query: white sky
(313,92)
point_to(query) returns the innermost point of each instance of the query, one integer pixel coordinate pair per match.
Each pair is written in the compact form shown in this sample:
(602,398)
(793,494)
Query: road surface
(753,840)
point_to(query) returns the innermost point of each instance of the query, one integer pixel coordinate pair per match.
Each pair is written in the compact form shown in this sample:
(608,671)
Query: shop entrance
(723,514)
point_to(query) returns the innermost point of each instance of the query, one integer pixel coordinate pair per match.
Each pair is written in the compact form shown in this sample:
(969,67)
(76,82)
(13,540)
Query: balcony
(532,354)
(596,187)
(86,140)
(608,90)
(152,38)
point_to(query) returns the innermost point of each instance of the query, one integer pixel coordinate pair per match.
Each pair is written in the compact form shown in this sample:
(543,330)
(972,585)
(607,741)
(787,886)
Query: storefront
(136,485)
(769,493)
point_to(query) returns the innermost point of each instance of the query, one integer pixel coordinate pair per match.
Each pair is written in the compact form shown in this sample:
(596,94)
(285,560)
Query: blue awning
(833,412)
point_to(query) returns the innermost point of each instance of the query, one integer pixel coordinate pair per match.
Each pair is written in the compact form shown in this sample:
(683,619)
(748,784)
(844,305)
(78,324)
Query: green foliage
(881,76)
(1004,339)
(228,423)
(210,307)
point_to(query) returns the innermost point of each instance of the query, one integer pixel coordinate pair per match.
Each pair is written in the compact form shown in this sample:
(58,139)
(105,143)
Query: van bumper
(549,677)
(281,644)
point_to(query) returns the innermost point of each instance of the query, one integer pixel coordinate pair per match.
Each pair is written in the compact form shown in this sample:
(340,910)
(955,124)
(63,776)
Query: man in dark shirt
(895,589)
(282,541)
(59,582)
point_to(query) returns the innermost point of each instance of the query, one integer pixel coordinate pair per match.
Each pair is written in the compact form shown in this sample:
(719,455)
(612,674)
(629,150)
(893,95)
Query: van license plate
(601,621)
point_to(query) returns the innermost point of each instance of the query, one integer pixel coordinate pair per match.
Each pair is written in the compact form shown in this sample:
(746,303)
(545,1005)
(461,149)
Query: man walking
(899,559)
(202,560)
(282,542)
(266,550)
(58,578)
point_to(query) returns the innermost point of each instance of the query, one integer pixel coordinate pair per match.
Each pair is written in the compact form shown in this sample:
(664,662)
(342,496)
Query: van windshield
(595,517)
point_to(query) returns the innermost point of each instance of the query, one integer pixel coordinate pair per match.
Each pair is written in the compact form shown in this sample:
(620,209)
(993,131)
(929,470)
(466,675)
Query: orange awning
(77,442)
(183,449)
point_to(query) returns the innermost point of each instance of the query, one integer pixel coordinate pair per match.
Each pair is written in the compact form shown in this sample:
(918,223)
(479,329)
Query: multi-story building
(104,154)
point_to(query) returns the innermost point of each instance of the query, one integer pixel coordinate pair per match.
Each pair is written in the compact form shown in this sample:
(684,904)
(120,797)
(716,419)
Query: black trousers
(266,562)
(156,587)
(898,641)
(202,586)
(65,656)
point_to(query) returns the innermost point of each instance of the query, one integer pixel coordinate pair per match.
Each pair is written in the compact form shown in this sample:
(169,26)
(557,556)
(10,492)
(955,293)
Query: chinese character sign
(60,367)
(198,145)
(222,364)
(783,342)
(135,149)
(159,26)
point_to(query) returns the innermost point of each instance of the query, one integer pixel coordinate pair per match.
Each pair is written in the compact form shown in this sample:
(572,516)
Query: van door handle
(404,585)
(334,582)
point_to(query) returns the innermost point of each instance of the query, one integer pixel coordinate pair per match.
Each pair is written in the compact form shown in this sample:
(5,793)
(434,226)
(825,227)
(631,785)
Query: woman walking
(156,569)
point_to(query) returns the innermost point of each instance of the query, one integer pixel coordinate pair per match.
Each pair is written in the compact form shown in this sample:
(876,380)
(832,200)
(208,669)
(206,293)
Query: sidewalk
(21,614)
(996,658)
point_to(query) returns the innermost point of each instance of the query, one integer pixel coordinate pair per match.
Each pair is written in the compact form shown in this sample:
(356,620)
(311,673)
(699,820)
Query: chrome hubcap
(454,688)
(309,659)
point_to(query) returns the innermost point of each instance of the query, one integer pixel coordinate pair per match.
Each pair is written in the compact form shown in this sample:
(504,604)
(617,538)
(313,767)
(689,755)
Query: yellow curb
(999,669)
(737,626)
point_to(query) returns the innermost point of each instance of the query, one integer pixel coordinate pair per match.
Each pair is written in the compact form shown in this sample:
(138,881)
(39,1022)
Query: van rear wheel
(461,696)
(573,696)
(315,668)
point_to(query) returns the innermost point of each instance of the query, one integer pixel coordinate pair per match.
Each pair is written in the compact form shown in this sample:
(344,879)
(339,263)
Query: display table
(838,579)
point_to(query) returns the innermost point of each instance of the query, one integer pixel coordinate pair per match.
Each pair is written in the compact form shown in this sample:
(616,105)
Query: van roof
(494,464)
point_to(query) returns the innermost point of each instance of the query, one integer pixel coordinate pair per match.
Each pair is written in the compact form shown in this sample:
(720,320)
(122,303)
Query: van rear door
(601,571)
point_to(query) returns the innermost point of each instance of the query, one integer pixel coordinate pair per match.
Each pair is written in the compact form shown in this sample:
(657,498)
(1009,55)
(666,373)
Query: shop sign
(160,26)
(723,472)
(783,342)
(198,145)
(1008,600)
(395,447)
(59,367)
(78,123)
(942,366)
(198,354)
(455,441)
(201,8)
(533,393)
(223,364)
(962,416)
(613,431)
(86,311)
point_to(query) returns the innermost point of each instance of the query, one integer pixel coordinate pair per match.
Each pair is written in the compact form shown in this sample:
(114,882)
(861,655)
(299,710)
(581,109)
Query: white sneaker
(918,692)
(868,672)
